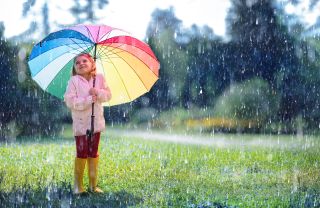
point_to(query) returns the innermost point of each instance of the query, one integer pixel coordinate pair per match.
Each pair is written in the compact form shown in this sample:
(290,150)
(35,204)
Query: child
(79,96)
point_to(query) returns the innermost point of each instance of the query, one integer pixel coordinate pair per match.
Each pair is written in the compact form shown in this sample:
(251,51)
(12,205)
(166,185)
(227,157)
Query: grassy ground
(140,173)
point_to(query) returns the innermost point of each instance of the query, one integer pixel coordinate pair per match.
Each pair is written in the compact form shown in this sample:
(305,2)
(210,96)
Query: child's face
(83,66)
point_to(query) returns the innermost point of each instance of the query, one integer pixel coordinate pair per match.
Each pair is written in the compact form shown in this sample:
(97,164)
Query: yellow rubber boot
(79,166)
(93,174)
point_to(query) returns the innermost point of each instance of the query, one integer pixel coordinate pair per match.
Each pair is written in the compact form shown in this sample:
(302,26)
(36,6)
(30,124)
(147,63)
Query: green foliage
(201,82)
(40,112)
(161,37)
(139,173)
(8,85)
(25,108)
(143,115)
(263,45)
(250,100)
(175,118)
(309,84)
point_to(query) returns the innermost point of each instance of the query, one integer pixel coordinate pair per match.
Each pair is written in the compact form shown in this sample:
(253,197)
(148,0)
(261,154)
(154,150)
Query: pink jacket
(79,101)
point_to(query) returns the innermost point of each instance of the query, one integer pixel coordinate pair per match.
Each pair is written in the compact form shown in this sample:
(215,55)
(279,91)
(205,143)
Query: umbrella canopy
(129,66)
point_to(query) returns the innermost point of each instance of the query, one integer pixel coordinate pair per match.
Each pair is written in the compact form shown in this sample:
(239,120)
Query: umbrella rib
(89,33)
(133,71)
(121,79)
(80,48)
(111,51)
(87,44)
(118,47)
(103,53)
(106,55)
(103,50)
(127,52)
(150,54)
(59,72)
(106,34)
(98,34)
(78,44)
(75,53)
(114,48)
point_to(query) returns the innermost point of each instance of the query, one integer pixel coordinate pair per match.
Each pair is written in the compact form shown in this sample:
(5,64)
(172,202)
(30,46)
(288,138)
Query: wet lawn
(135,172)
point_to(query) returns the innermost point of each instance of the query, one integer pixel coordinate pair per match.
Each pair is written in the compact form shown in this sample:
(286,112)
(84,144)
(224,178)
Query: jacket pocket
(79,124)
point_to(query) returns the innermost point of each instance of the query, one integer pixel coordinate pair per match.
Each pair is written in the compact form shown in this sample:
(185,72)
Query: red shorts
(87,148)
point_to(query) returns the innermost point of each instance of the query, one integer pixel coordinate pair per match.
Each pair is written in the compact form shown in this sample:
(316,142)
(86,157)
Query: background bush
(250,100)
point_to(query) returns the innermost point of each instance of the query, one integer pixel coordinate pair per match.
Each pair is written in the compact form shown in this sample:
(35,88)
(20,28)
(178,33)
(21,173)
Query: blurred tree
(310,87)
(199,81)
(83,11)
(8,85)
(161,34)
(86,12)
(313,3)
(249,100)
(262,43)
(163,20)
(25,109)
(306,77)
(265,49)
(45,20)
(27,7)
(39,112)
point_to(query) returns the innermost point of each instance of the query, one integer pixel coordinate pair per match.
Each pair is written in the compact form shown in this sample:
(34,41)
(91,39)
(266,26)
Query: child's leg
(80,163)
(94,145)
(93,160)
(82,146)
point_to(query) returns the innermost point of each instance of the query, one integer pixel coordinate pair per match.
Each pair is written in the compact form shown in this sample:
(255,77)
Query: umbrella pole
(91,131)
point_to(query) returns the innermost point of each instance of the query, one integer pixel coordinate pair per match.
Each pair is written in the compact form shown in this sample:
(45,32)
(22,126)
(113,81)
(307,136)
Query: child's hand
(94,98)
(93,91)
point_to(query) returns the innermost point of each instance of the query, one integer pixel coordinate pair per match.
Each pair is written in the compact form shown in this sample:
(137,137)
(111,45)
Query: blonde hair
(88,56)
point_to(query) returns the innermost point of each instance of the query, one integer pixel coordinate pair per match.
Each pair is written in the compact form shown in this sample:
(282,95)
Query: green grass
(139,173)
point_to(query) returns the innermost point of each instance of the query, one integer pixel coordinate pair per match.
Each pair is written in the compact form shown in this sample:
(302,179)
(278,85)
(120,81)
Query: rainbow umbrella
(129,66)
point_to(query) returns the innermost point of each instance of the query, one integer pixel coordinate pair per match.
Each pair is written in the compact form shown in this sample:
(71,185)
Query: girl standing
(79,97)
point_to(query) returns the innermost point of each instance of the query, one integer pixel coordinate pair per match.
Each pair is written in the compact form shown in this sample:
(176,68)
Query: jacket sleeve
(73,101)
(104,92)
